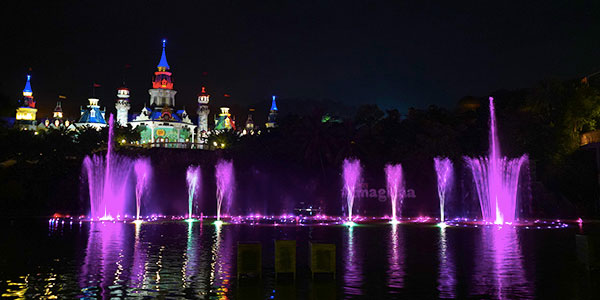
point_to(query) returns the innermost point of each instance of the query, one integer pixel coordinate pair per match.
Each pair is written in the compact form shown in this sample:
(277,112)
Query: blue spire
(27,90)
(273,104)
(163,58)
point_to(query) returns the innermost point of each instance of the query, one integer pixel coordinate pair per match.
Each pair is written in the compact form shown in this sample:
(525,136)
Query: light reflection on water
(353,278)
(447,272)
(195,260)
(396,259)
(499,272)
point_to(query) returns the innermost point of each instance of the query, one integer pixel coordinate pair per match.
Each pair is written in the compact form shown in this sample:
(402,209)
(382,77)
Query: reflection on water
(499,272)
(103,267)
(447,273)
(396,259)
(220,268)
(352,270)
(195,260)
(140,258)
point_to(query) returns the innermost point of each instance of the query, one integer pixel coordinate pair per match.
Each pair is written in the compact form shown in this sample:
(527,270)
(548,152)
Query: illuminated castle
(58,119)
(272,120)
(92,115)
(224,121)
(122,106)
(203,112)
(161,123)
(26,112)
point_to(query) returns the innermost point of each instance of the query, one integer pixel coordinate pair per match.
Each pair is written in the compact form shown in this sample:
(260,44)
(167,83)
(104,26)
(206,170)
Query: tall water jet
(108,180)
(496,179)
(225,184)
(351,173)
(445,176)
(143,171)
(193,178)
(395,187)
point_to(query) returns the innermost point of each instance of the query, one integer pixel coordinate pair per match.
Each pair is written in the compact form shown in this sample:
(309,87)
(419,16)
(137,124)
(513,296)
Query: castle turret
(249,121)
(122,105)
(162,93)
(272,119)
(203,111)
(58,112)
(26,112)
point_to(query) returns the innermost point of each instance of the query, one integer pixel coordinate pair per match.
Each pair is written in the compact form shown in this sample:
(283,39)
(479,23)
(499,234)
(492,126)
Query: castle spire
(273,104)
(163,59)
(27,92)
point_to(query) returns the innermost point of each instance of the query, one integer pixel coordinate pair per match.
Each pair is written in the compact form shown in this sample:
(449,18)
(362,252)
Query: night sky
(396,55)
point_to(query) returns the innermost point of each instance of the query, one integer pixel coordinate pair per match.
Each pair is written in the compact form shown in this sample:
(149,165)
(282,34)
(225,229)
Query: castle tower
(249,121)
(272,119)
(122,106)
(224,121)
(203,111)
(162,93)
(26,112)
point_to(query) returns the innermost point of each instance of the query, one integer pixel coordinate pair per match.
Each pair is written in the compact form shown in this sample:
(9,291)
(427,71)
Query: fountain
(496,179)
(395,187)
(445,176)
(193,176)
(143,171)
(108,181)
(225,185)
(351,173)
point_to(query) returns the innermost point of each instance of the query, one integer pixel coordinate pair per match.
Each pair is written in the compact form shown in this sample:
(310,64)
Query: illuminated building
(203,111)
(224,120)
(249,121)
(58,119)
(26,112)
(92,115)
(122,106)
(163,126)
(272,119)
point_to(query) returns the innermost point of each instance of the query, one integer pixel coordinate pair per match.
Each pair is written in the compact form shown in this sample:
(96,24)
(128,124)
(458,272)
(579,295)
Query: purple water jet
(143,171)
(496,179)
(108,181)
(395,187)
(225,184)
(445,177)
(351,174)
(193,178)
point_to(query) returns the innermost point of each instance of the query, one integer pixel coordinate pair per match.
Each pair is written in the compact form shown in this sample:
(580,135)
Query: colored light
(218,223)
(350,224)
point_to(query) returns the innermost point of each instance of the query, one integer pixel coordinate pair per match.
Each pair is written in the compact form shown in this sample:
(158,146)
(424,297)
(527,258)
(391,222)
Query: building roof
(27,89)
(273,104)
(88,117)
(163,59)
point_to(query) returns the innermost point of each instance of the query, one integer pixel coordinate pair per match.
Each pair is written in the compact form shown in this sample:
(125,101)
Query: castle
(160,123)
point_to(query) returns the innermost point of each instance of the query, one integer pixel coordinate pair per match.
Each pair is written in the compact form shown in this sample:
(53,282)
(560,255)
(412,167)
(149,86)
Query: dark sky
(395,54)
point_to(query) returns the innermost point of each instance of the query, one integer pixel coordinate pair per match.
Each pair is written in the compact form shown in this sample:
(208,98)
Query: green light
(442,225)
(394,221)
(350,224)
(218,223)
(191,220)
